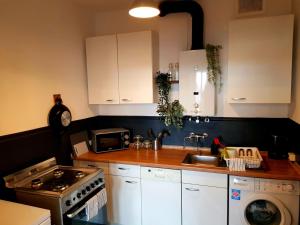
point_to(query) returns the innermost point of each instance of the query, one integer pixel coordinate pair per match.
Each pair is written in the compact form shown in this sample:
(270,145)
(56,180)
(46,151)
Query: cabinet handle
(131,182)
(125,100)
(192,189)
(121,168)
(109,100)
(238,99)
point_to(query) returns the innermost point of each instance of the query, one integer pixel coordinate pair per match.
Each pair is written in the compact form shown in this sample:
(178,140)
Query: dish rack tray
(240,158)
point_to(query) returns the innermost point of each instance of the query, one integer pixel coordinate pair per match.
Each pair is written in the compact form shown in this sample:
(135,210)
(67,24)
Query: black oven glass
(81,217)
(108,142)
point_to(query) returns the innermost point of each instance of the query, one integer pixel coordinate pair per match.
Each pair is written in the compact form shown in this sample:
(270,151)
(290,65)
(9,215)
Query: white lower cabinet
(125,195)
(161,196)
(204,198)
(154,196)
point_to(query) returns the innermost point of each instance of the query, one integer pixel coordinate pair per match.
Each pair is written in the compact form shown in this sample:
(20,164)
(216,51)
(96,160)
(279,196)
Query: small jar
(147,144)
(138,142)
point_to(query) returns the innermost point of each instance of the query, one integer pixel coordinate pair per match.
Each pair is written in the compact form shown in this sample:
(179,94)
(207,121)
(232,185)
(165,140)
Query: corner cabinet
(121,68)
(260,60)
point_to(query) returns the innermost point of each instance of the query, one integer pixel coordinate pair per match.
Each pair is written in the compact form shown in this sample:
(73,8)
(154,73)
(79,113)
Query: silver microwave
(105,140)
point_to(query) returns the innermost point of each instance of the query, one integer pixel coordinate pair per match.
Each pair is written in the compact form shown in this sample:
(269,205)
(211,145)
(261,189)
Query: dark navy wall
(23,149)
(235,131)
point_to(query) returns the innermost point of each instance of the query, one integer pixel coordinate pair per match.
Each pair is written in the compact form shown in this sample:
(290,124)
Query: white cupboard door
(135,67)
(203,205)
(260,60)
(102,69)
(161,202)
(125,200)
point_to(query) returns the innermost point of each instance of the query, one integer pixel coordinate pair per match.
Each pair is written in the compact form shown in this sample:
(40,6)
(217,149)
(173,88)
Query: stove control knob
(68,203)
(83,192)
(96,182)
(78,195)
(92,185)
(100,180)
(88,188)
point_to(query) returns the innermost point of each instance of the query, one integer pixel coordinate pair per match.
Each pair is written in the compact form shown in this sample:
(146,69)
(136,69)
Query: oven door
(79,215)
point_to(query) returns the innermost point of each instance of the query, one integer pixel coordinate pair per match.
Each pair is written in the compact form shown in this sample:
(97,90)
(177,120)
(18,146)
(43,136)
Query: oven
(88,212)
(74,195)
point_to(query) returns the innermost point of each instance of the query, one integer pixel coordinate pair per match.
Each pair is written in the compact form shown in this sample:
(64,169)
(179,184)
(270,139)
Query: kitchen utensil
(151,133)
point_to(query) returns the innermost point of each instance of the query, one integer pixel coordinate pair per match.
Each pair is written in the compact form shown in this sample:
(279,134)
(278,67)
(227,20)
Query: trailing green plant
(172,113)
(213,64)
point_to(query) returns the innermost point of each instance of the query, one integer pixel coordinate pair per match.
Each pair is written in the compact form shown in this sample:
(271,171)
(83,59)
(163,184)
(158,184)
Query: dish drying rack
(240,158)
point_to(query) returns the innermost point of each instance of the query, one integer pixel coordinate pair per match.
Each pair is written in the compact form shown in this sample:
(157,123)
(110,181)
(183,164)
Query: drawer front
(204,178)
(101,165)
(124,170)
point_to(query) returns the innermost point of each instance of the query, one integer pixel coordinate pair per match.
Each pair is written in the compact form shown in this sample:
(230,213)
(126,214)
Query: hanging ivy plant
(172,113)
(213,67)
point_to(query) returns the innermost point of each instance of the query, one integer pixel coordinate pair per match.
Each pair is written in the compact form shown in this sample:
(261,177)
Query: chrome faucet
(195,138)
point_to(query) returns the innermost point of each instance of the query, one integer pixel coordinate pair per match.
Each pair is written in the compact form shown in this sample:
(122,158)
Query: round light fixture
(144,9)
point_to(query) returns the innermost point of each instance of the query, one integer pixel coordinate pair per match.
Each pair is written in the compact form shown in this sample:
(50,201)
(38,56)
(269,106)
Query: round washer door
(263,209)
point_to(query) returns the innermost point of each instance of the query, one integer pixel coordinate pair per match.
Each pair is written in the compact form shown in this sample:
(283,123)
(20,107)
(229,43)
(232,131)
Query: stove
(62,189)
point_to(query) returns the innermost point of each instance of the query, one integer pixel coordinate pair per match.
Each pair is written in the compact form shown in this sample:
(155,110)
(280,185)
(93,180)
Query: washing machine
(256,201)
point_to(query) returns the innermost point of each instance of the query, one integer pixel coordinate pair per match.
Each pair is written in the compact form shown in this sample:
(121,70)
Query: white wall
(41,54)
(175,35)
(295,108)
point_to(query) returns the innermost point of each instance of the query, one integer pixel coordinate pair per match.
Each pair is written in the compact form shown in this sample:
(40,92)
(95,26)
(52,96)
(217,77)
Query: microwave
(105,140)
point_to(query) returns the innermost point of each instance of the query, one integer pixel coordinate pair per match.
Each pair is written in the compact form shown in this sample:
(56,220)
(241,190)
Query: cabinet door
(260,60)
(135,67)
(102,69)
(125,200)
(203,205)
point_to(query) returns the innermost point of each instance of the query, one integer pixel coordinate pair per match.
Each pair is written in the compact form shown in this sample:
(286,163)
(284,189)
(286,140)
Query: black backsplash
(235,131)
(23,149)
(26,148)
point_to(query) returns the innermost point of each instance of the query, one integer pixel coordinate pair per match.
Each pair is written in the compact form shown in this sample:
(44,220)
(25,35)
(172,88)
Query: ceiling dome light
(144,9)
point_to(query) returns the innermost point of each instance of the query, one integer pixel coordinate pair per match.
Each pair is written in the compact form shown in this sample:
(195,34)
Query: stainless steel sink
(197,159)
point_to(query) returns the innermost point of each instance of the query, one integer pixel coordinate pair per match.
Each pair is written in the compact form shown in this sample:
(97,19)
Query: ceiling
(106,5)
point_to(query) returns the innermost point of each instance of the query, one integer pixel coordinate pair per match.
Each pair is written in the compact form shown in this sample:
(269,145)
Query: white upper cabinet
(260,60)
(121,68)
(196,94)
(102,69)
(135,59)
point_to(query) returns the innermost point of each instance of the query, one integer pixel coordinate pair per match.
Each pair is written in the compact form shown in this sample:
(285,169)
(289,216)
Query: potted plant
(213,61)
(172,112)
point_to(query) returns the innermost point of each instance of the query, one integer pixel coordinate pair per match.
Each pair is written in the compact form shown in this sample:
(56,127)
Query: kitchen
(43,54)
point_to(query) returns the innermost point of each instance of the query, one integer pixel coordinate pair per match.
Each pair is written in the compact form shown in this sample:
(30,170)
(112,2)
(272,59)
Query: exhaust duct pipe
(196,12)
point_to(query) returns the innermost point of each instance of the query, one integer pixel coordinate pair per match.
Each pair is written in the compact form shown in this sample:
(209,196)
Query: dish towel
(96,203)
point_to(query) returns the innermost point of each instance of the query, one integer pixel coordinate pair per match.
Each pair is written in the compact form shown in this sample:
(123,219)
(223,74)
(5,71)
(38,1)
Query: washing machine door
(264,209)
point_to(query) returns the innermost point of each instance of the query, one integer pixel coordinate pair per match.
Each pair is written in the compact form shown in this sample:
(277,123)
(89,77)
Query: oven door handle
(73,214)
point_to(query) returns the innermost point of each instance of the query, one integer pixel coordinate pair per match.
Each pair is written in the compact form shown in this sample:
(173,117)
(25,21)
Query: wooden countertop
(172,158)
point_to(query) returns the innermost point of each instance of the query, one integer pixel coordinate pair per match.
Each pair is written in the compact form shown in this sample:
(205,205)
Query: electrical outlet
(56,97)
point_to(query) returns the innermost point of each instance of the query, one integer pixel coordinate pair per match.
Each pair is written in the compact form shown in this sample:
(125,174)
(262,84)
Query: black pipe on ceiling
(196,12)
